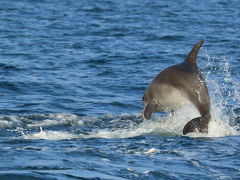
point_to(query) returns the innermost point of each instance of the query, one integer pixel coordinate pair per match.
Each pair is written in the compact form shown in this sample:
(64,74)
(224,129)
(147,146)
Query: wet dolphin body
(176,86)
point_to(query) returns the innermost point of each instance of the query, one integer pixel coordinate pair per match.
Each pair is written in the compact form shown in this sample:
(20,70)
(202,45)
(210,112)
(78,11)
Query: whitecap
(49,135)
(57,119)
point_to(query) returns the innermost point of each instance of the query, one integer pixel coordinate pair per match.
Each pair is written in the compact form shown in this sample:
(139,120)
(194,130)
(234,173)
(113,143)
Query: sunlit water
(73,74)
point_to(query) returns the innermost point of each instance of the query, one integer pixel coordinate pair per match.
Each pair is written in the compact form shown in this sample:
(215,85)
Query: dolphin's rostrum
(176,86)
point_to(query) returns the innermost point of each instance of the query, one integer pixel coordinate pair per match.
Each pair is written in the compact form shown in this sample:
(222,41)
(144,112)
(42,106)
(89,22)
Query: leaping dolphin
(176,86)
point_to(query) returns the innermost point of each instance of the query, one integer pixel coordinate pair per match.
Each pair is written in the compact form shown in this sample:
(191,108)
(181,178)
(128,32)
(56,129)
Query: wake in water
(224,92)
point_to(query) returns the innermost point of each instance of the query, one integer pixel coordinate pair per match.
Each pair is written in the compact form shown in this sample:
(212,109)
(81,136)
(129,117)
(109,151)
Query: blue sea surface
(72,76)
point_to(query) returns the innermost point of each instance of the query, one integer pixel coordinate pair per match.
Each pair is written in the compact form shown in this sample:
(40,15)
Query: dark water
(73,74)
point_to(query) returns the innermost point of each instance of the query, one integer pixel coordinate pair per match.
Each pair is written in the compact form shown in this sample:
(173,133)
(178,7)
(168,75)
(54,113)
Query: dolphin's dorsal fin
(192,56)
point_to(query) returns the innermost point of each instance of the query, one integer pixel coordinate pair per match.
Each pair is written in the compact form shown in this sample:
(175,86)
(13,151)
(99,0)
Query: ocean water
(72,76)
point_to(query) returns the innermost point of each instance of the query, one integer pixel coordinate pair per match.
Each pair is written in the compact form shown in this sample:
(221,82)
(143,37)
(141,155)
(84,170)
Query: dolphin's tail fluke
(199,124)
(192,56)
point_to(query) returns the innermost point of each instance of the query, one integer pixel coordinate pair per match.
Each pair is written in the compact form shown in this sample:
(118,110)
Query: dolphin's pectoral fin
(198,124)
(150,108)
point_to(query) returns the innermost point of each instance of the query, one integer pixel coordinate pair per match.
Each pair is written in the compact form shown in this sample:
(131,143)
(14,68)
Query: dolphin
(178,85)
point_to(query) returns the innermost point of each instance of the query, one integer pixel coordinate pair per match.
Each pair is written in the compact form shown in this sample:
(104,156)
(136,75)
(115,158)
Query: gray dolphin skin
(178,85)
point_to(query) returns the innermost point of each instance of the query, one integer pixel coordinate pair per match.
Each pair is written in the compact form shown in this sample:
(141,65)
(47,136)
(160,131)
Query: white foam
(144,128)
(4,124)
(50,135)
(168,126)
(152,151)
(57,119)
(8,121)
(49,120)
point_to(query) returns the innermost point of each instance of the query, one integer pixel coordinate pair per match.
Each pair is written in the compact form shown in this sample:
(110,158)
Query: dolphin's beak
(142,114)
(149,110)
(147,114)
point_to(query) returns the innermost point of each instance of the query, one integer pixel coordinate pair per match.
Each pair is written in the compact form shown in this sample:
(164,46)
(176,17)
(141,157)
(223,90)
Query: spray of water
(224,90)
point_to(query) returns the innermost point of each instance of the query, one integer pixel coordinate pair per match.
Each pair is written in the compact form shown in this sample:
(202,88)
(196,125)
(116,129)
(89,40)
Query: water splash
(224,90)
(50,135)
